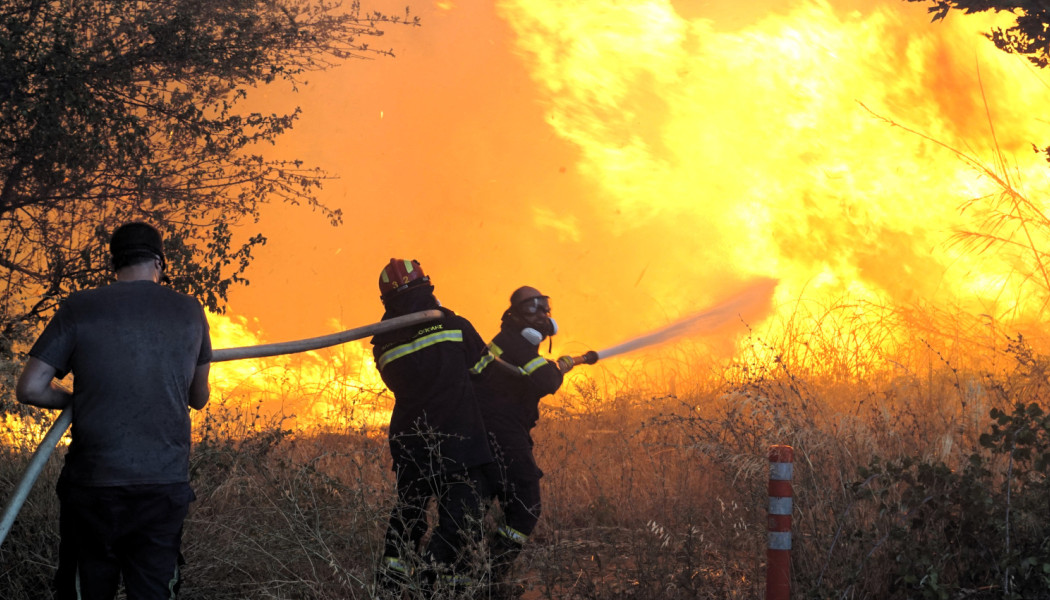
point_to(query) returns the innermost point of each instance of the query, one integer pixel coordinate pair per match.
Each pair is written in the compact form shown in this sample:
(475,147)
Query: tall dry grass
(650,495)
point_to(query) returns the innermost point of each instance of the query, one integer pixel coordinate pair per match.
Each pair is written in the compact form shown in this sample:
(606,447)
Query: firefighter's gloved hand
(565,364)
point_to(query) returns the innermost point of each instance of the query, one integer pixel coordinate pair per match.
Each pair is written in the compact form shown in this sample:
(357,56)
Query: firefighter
(436,435)
(510,405)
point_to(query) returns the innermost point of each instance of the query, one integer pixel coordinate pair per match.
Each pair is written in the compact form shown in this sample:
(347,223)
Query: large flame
(638,160)
(757,144)
(326,389)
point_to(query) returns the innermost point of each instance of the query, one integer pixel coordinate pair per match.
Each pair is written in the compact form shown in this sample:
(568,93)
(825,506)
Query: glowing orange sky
(635,161)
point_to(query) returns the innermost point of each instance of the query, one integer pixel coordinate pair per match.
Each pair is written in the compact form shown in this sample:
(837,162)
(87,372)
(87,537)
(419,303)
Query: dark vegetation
(117,110)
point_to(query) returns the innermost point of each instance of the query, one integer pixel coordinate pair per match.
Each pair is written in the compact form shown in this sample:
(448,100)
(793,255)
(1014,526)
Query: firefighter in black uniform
(437,436)
(509,399)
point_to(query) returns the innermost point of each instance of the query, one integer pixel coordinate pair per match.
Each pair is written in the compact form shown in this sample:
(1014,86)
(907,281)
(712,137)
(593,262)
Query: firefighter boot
(392,577)
(504,552)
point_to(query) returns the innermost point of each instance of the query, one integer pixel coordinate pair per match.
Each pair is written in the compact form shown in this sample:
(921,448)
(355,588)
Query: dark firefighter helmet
(400,274)
(527,301)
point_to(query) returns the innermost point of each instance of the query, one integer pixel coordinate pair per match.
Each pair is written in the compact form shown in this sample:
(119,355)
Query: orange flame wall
(638,159)
(330,388)
(750,150)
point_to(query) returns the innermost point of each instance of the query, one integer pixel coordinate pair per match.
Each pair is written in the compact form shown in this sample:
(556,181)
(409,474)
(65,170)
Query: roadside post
(778,553)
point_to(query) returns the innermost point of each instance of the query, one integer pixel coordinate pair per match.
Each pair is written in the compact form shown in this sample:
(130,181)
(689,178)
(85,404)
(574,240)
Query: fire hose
(65,418)
(752,299)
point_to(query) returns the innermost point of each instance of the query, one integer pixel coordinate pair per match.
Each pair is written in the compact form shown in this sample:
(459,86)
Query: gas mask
(535,336)
(534,313)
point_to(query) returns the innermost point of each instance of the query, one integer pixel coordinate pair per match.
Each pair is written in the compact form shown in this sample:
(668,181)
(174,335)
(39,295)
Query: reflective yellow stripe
(424,342)
(513,534)
(483,362)
(395,564)
(531,366)
(457,580)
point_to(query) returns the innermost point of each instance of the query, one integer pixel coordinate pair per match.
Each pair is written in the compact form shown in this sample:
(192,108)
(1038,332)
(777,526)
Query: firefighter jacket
(428,367)
(510,401)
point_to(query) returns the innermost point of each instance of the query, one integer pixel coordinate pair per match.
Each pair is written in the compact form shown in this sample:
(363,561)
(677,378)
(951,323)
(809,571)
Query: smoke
(754,301)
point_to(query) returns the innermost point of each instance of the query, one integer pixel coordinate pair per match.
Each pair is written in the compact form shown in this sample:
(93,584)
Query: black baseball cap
(136,239)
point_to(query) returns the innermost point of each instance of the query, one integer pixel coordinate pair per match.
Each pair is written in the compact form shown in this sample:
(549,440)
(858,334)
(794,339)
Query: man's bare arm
(199,390)
(36,388)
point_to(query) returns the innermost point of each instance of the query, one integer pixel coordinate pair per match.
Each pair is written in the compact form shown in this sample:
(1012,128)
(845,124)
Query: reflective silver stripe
(779,506)
(483,362)
(457,580)
(173,583)
(531,366)
(495,350)
(781,471)
(779,540)
(394,564)
(423,342)
(513,534)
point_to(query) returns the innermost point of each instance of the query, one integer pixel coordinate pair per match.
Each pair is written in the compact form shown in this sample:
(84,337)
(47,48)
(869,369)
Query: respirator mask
(535,314)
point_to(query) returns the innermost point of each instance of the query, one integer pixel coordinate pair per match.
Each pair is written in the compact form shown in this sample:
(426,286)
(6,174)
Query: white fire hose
(58,428)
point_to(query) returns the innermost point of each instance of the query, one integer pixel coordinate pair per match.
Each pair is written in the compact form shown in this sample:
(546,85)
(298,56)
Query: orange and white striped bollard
(778,552)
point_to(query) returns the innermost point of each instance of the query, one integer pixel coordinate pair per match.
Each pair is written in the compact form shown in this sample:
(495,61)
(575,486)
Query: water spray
(753,300)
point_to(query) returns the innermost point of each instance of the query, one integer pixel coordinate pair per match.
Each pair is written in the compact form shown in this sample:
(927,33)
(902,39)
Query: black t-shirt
(132,347)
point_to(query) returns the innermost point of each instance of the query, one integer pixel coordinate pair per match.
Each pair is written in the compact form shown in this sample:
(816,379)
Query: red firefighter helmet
(399,275)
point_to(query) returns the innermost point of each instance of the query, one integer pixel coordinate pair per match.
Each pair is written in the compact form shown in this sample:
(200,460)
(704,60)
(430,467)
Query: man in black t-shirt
(437,437)
(139,354)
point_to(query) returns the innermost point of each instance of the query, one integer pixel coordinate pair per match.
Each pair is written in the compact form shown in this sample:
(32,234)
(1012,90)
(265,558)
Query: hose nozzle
(589,358)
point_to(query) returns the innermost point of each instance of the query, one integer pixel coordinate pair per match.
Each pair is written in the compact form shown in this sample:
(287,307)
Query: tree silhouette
(1029,36)
(112,110)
